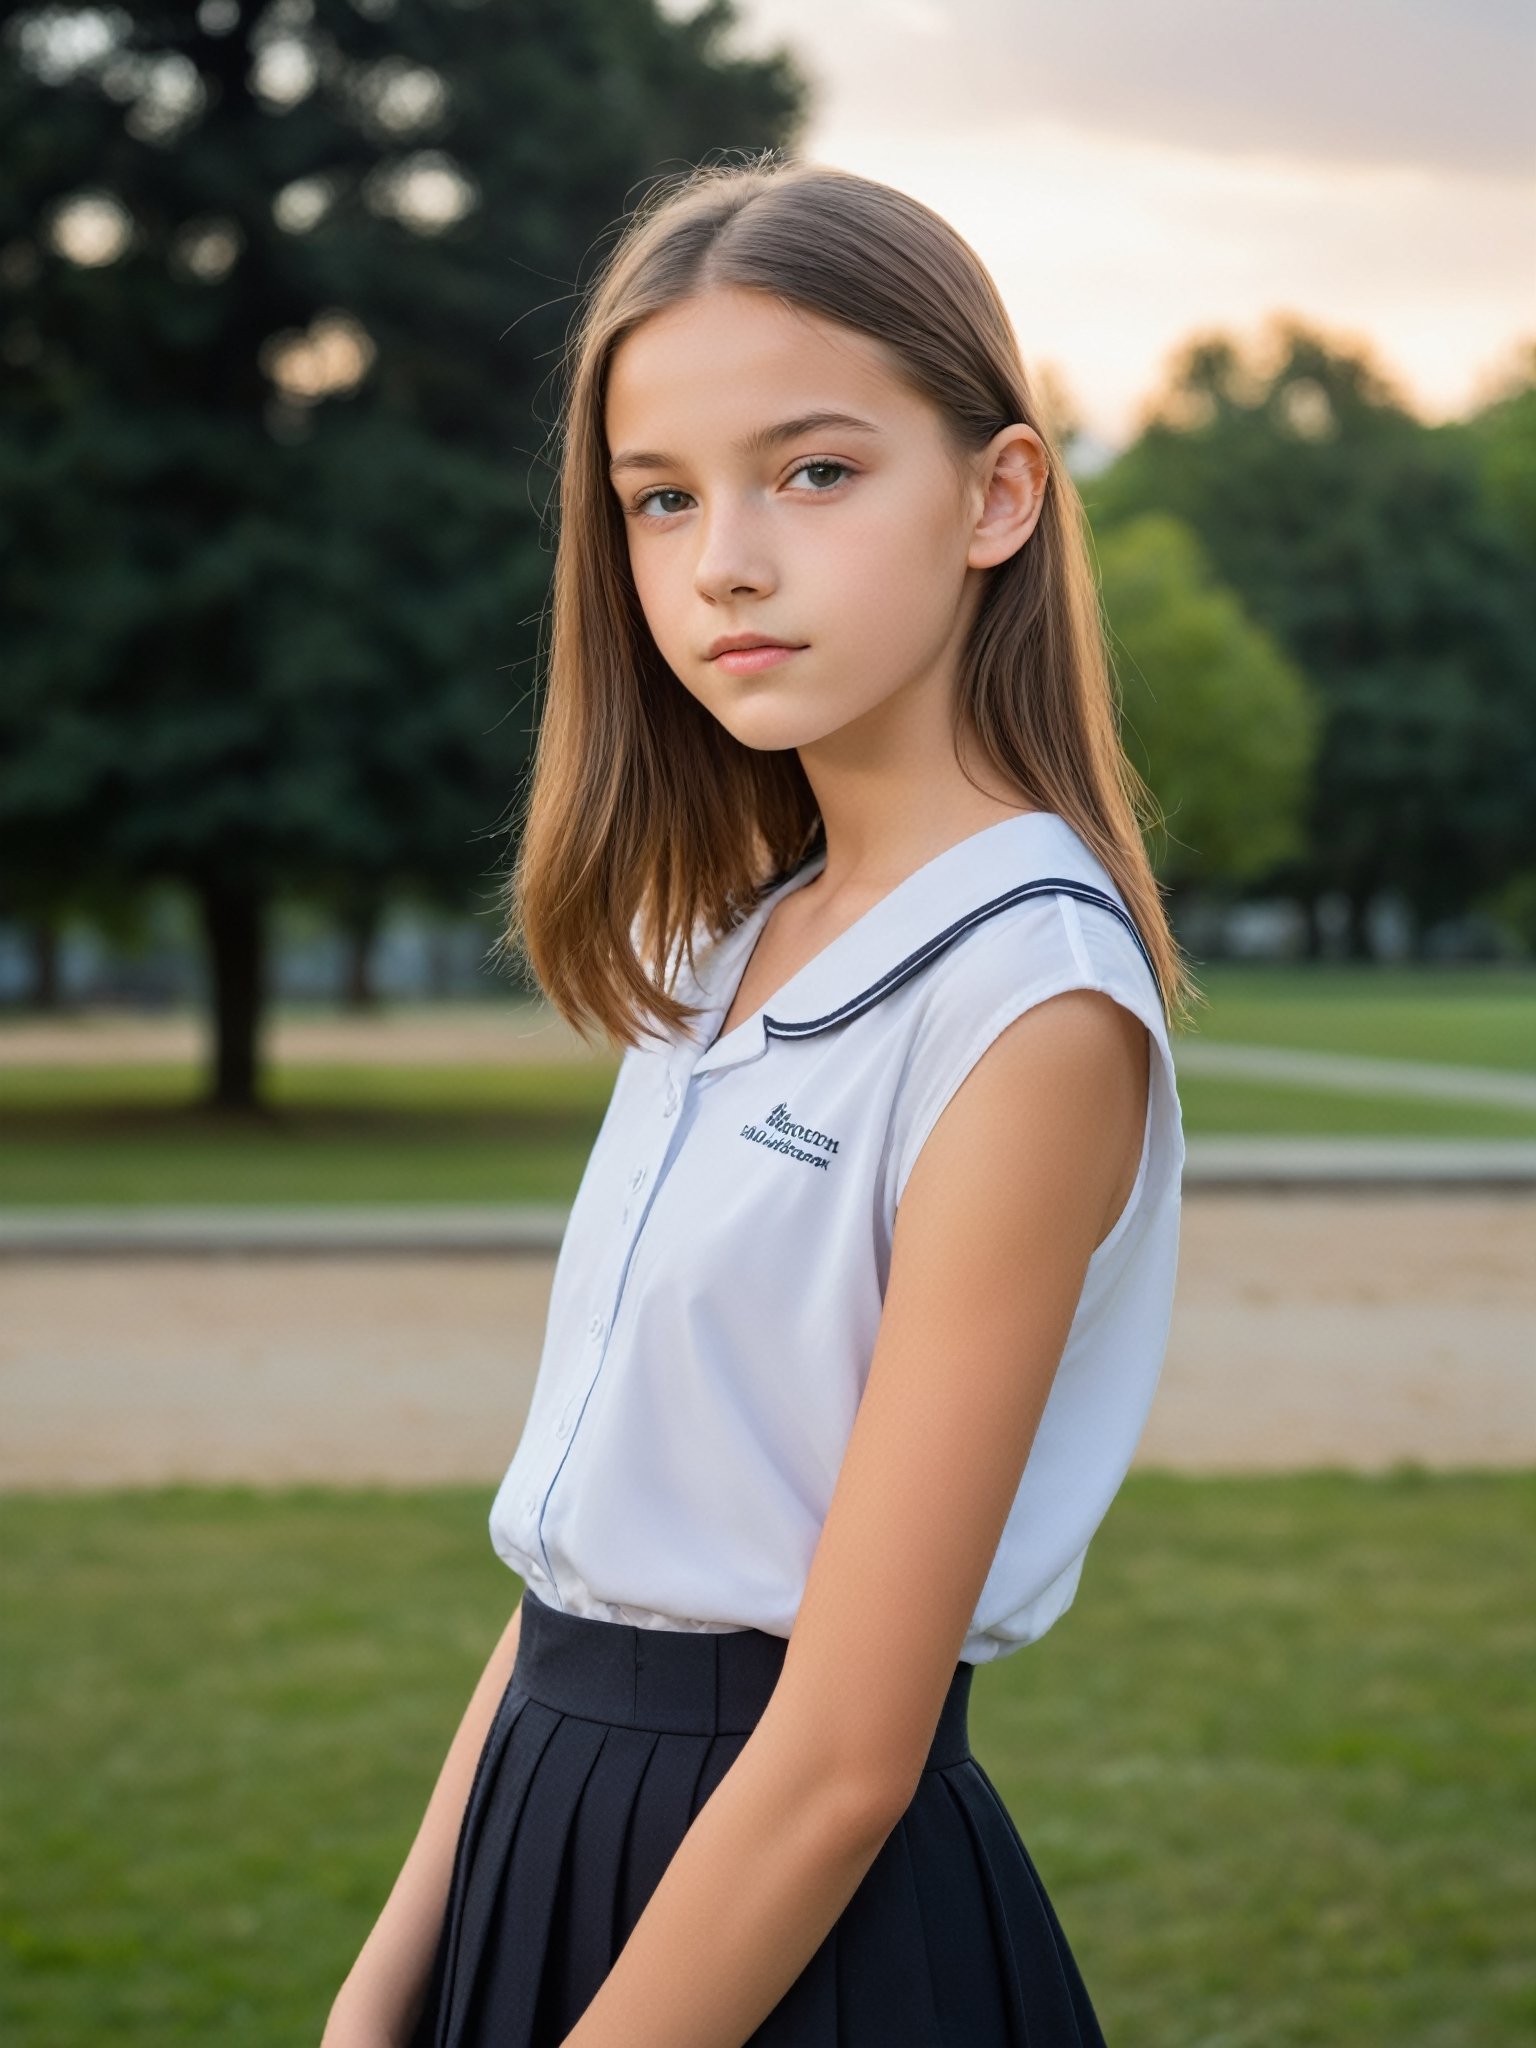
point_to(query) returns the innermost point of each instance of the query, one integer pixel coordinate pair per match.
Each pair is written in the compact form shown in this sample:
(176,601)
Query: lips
(744,643)
(745,661)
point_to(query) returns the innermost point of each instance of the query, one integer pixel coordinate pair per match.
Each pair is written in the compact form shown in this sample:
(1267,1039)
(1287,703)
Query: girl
(865,1292)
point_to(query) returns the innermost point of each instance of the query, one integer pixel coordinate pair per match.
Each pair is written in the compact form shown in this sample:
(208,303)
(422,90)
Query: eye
(811,462)
(822,462)
(661,491)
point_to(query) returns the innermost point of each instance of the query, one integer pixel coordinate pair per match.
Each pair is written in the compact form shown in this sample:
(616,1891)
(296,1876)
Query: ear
(1014,471)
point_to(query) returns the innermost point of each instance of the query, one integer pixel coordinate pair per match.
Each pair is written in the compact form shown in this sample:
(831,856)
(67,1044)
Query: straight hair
(647,826)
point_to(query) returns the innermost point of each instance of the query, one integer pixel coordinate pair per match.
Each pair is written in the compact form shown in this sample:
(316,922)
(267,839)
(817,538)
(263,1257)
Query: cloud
(1416,84)
(1109,254)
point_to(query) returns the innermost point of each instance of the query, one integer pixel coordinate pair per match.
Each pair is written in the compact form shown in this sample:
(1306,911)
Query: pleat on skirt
(607,1741)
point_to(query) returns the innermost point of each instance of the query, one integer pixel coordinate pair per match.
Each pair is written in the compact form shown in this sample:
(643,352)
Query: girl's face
(779,480)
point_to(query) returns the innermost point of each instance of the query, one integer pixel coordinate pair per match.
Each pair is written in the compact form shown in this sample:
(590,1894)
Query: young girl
(865,1292)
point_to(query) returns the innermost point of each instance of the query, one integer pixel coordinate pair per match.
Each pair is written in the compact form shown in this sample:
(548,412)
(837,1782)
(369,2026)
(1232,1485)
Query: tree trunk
(1355,948)
(43,944)
(362,928)
(439,965)
(1312,932)
(233,921)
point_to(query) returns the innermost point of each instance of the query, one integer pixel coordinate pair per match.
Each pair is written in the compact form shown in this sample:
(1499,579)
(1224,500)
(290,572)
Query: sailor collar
(1034,853)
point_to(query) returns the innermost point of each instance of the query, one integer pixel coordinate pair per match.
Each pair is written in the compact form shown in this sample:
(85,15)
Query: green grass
(496,1133)
(1464,1016)
(1275,1764)
(314,1161)
(1233,1106)
(560,1088)
(333,1134)
(143,1153)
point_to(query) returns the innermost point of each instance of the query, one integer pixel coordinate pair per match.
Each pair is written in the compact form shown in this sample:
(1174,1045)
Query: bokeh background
(286,1147)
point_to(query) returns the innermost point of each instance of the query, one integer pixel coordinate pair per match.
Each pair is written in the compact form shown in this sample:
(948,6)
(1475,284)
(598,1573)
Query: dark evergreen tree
(283,287)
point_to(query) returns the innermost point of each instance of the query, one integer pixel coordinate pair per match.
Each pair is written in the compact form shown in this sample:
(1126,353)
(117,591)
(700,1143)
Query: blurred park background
(285,1150)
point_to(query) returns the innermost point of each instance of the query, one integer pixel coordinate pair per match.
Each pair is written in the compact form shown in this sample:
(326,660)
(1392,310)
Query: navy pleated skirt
(607,1741)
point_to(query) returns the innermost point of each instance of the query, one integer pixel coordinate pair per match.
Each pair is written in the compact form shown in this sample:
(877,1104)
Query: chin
(773,728)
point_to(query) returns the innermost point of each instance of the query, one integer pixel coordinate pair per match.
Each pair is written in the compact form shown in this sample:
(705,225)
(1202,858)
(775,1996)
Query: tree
(1500,437)
(1215,717)
(280,285)
(1365,542)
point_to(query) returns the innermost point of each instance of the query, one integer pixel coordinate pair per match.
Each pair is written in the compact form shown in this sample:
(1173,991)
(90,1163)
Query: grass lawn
(333,1134)
(1274,1765)
(1468,1016)
(505,1133)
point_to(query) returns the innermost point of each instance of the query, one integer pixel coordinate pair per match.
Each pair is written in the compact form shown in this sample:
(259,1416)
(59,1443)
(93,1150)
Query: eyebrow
(752,444)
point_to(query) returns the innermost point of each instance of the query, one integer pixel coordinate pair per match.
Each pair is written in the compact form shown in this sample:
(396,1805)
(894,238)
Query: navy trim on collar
(1085,892)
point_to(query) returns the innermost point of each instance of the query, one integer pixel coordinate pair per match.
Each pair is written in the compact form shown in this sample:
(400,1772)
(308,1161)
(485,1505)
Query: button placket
(598,1324)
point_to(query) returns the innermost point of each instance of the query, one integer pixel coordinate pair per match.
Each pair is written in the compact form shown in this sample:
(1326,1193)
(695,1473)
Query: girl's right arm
(380,2001)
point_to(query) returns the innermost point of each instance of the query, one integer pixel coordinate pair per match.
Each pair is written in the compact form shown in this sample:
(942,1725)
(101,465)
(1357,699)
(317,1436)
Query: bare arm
(380,2000)
(1024,1173)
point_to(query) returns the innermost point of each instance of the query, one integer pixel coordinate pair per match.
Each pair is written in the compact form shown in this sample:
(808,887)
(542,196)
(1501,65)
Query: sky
(1132,173)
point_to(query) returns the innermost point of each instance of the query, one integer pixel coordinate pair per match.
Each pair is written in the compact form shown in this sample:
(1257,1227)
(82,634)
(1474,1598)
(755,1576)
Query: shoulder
(1050,1105)
(1078,934)
(988,956)
(1014,964)
(1015,957)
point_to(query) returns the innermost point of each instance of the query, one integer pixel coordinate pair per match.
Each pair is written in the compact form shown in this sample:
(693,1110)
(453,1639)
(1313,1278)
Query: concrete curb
(1231,1164)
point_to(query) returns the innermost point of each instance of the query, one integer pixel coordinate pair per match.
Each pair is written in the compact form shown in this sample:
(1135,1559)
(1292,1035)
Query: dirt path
(492,1033)
(1309,1329)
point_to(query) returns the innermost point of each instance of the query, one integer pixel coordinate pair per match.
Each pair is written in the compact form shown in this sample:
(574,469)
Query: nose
(732,555)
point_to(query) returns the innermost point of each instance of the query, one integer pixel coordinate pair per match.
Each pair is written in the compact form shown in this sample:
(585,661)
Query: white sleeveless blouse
(719,1285)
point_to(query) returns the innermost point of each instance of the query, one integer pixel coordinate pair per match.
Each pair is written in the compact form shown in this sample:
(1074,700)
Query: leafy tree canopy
(284,283)
(1218,720)
(1370,547)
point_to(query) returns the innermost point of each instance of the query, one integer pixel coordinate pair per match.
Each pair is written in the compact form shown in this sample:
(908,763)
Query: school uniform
(711,1325)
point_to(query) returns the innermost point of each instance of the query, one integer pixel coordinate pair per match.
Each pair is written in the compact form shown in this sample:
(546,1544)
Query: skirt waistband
(678,1681)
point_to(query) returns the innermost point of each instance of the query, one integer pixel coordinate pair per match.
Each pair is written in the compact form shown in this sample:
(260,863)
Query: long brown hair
(646,820)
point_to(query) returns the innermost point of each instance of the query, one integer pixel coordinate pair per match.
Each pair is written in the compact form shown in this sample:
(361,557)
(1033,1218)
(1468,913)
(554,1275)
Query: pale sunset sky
(1133,173)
